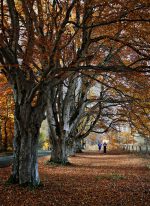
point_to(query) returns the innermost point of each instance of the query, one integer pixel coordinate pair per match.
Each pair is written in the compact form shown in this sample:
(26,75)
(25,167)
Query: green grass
(112,176)
(56,164)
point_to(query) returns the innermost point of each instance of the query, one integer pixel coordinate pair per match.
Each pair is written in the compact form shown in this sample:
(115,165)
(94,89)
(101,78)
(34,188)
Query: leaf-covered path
(93,179)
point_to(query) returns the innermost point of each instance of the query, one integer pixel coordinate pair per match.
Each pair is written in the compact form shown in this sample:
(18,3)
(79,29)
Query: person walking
(99,146)
(105,147)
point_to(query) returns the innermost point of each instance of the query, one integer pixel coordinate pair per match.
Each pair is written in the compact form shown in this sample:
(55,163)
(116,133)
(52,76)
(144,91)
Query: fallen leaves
(92,180)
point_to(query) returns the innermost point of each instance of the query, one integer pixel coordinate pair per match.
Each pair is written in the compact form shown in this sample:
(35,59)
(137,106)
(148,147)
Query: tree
(67,114)
(87,105)
(44,41)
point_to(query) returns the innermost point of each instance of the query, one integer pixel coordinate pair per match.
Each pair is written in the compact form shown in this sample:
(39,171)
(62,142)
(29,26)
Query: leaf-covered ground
(93,179)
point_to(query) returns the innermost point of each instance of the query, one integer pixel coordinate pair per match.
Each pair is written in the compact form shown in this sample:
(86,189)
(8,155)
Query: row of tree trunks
(61,150)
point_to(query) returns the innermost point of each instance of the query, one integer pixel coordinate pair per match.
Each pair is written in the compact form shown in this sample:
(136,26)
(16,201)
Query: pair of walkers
(104,146)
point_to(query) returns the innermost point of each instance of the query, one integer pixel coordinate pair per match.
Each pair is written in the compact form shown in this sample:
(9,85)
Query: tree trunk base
(72,155)
(12,180)
(79,151)
(58,163)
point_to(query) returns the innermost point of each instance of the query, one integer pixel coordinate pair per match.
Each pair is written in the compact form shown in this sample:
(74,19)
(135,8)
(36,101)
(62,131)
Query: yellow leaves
(45,146)
(69,29)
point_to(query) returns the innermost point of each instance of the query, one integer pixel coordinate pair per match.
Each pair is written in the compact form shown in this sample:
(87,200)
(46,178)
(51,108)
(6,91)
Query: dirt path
(93,179)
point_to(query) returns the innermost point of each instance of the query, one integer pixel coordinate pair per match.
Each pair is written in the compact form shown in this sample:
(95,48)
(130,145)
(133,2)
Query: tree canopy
(45,42)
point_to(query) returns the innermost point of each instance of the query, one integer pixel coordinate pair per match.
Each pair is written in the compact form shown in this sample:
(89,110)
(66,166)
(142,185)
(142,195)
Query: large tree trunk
(59,152)
(28,165)
(27,126)
(57,135)
(16,153)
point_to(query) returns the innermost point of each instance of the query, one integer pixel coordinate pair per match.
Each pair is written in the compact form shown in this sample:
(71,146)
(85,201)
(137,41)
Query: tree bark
(28,165)
(63,116)
(16,153)
(59,153)
(57,134)
(27,126)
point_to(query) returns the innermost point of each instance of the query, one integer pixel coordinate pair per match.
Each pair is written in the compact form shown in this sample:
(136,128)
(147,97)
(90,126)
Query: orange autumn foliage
(6,115)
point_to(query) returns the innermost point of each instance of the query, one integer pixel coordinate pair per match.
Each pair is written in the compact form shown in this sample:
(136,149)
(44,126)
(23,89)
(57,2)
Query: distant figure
(105,147)
(99,146)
